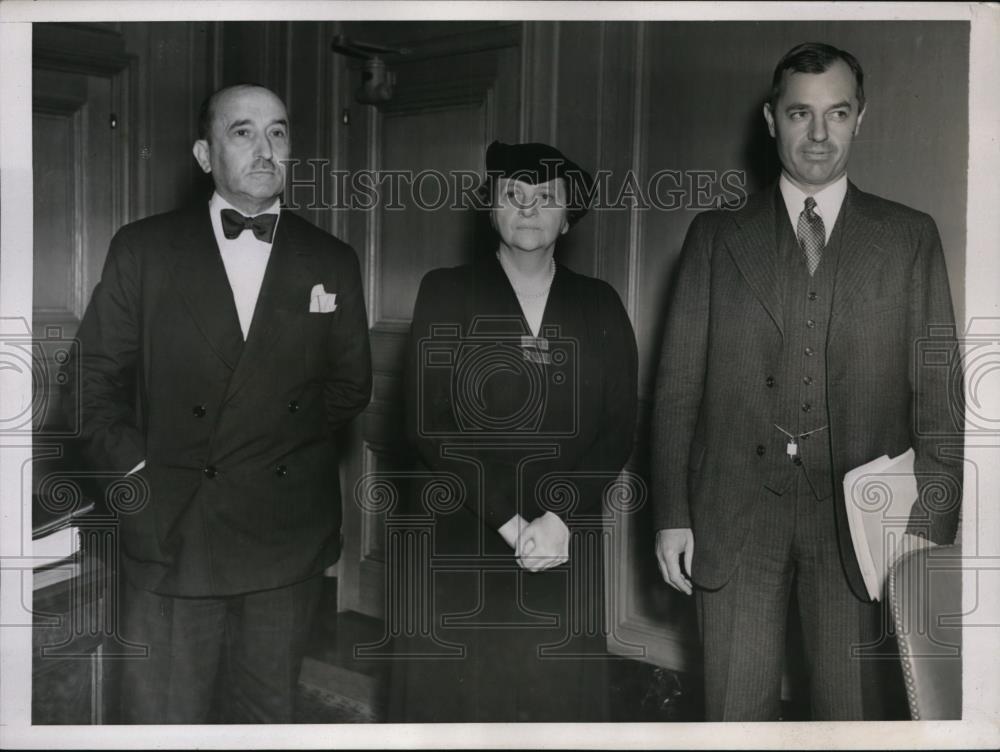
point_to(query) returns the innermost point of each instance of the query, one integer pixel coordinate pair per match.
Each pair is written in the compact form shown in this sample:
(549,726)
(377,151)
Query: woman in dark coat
(521,392)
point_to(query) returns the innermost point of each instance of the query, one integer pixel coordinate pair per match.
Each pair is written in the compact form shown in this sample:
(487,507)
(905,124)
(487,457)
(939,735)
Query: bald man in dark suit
(790,358)
(224,347)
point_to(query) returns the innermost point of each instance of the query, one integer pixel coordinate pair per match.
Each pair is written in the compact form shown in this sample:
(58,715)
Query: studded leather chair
(925,594)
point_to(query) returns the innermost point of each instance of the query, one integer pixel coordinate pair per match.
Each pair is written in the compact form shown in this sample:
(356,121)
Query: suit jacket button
(760,450)
(281,471)
(199,411)
(797,460)
(210,471)
(769,381)
(293,406)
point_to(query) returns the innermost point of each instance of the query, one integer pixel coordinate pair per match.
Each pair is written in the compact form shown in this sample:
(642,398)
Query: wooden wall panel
(81,110)
(454,93)
(58,252)
(415,239)
(174,75)
(580,85)
(308,99)
(577,127)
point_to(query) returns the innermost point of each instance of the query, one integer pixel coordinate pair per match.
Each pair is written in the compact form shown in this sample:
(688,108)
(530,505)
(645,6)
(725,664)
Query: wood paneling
(69,662)
(81,104)
(58,186)
(174,77)
(453,95)
(416,238)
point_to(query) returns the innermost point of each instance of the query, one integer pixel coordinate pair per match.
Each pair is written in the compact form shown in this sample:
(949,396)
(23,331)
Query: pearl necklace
(528,294)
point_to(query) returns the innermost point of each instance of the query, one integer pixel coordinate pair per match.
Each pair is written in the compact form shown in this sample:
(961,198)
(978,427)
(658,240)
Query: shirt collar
(828,201)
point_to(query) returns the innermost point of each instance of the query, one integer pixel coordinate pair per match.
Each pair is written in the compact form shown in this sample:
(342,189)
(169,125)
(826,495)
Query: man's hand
(544,544)
(671,544)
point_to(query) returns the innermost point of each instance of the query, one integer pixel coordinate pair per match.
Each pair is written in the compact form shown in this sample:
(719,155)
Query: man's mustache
(263,163)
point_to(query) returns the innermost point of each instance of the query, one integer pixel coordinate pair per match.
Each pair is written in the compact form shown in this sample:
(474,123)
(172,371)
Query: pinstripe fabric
(725,327)
(246,650)
(724,364)
(743,624)
(792,543)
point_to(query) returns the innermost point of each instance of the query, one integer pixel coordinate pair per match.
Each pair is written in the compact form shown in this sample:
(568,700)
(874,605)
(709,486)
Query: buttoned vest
(801,377)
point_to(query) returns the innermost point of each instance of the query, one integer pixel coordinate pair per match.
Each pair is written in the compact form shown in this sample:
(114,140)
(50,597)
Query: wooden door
(81,170)
(457,89)
(81,118)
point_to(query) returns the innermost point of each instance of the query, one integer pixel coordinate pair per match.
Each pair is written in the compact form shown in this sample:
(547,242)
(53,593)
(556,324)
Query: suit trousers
(792,541)
(233,659)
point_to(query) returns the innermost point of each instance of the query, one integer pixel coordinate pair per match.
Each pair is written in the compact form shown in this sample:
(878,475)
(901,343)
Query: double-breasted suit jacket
(237,437)
(716,402)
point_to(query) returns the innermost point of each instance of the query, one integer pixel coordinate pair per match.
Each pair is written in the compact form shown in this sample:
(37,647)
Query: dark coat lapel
(751,243)
(862,249)
(284,292)
(200,278)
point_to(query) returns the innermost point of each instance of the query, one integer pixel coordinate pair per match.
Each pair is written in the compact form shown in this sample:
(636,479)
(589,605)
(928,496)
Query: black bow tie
(233,223)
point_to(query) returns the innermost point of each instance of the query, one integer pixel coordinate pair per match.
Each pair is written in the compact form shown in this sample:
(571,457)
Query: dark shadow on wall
(760,158)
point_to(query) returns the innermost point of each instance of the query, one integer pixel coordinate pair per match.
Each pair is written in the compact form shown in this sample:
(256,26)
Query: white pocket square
(321,301)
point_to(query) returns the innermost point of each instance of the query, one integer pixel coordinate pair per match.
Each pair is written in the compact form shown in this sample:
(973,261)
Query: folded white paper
(879,496)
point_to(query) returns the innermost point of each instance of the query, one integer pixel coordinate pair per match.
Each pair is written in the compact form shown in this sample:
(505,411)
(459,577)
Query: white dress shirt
(245,258)
(828,201)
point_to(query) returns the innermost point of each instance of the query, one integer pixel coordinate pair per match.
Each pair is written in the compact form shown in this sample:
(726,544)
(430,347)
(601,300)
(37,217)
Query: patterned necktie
(811,234)
(262,226)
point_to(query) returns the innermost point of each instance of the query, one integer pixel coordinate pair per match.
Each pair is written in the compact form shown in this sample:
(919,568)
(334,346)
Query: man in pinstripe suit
(788,360)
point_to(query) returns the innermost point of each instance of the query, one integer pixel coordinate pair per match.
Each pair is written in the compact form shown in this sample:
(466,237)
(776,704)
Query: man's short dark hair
(207,110)
(816,57)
